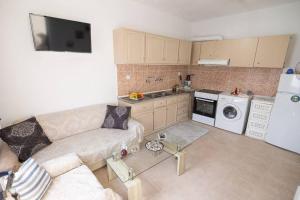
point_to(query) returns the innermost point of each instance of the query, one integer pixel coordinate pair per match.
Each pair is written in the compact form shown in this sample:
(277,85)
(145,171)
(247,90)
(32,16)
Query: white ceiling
(194,10)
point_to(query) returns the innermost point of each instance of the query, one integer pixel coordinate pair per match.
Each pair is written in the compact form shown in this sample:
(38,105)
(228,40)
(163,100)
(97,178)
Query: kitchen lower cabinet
(160,118)
(147,120)
(171,114)
(160,113)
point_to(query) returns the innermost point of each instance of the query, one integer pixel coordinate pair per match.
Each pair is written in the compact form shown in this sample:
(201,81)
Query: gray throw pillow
(25,138)
(116,117)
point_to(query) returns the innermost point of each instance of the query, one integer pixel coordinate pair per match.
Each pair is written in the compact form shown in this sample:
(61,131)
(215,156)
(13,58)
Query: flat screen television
(54,34)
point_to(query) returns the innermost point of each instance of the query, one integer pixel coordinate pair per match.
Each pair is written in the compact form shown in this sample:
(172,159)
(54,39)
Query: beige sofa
(79,131)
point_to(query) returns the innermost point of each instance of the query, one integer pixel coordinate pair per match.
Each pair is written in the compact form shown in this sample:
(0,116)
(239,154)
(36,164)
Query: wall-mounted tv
(54,34)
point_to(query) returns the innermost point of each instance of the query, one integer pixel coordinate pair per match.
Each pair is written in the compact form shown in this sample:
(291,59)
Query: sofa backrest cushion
(63,124)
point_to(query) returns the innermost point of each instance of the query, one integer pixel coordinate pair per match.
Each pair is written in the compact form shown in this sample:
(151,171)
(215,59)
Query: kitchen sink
(158,94)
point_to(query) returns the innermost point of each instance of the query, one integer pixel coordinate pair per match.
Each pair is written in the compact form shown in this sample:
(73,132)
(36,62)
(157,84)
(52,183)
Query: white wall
(34,82)
(272,21)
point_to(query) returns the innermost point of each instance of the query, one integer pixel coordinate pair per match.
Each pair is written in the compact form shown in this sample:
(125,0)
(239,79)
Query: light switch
(128,77)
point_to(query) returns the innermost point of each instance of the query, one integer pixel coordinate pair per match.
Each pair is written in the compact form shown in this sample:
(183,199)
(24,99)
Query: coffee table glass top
(138,162)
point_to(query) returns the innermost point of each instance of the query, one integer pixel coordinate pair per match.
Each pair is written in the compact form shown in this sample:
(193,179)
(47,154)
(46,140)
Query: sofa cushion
(78,184)
(63,124)
(116,117)
(25,138)
(93,146)
(31,181)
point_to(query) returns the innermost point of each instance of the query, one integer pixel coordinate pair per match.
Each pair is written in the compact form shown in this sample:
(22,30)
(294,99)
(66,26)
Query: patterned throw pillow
(116,117)
(25,138)
(31,181)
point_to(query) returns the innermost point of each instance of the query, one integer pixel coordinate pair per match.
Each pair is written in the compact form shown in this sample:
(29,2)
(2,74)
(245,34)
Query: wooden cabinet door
(196,49)
(242,52)
(208,50)
(222,49)
(171,51)
(135,47)
(171,114)
(154,48)
(271,51)
(184,53)
(129,46)
(160,118)
(146,119)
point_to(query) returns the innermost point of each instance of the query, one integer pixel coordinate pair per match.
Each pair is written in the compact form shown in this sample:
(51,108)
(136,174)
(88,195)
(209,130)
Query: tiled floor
(221,166)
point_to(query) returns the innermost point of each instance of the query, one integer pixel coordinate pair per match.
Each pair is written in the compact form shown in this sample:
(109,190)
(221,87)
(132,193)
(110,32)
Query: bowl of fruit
(136,96)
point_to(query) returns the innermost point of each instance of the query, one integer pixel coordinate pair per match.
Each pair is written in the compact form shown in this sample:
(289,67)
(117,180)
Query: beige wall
(33,82)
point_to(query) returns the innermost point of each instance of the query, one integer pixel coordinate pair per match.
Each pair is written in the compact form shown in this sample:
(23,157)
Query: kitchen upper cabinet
(155,46)
(184,54)
(196,50)
(215,50)
(208,50)
(242,52)
(160,118)
(171,50)
(271,51)
(129,46)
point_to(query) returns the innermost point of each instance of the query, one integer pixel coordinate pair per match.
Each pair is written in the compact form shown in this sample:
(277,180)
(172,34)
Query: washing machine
(232,112)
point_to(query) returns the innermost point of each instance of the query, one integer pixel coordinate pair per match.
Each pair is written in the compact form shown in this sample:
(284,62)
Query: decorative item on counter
(162,136)
(236,92)
(290,71)
(297,68)
(115,156)
(123,150)
(136,96)
(130,173)
(154,146)
(188,82)
(175,88)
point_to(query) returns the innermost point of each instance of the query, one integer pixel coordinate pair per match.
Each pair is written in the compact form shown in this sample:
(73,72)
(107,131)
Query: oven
(205,106)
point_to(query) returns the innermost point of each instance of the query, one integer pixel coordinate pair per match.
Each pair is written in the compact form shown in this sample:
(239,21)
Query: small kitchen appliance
(205,105)
(187,84)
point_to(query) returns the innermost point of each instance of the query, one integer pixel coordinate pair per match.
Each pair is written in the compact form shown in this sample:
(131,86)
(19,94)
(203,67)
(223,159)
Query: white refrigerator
(284,125)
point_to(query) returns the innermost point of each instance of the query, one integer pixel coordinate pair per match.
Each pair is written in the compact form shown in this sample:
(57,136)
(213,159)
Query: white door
(284,129)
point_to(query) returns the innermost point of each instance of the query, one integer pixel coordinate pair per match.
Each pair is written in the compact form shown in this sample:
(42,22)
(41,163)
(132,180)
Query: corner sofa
(71,179)
(79,131)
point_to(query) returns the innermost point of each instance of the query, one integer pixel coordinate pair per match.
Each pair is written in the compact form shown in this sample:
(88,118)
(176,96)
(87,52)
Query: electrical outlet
(179,73)
(128,77)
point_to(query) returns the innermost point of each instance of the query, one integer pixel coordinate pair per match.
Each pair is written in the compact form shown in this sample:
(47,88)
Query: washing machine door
(231,112)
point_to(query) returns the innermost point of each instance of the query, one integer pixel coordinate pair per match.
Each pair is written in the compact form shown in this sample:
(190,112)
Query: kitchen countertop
(146,98)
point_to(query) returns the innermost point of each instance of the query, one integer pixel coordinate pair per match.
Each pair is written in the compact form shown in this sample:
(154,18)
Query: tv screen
(54,34)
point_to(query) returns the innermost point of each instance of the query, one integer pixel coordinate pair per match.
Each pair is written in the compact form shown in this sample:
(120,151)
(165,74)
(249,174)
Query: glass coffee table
(141,159)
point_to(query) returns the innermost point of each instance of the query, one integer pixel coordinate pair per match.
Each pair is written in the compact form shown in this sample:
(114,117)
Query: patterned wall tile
(147,78)
(260,81)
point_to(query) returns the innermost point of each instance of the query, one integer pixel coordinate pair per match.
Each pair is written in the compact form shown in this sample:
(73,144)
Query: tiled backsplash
(147,78)
(261,81)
